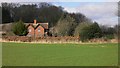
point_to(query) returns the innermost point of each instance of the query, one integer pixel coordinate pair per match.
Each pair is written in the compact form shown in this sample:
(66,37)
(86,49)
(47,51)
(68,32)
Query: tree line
(61,23)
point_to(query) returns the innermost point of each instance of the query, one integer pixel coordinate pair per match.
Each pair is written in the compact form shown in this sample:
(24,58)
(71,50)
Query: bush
(65,26)
(90,32)
(19,28)
(109,36)
(80,27)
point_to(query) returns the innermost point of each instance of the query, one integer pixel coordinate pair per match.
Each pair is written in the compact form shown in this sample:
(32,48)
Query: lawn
(30,54)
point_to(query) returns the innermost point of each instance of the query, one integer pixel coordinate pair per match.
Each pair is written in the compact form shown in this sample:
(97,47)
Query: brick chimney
(35,21)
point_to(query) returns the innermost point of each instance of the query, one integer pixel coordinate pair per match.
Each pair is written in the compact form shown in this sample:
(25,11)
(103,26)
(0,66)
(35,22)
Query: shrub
(79,28)
(111,36)
(65,26)
(90,32)
(19,28)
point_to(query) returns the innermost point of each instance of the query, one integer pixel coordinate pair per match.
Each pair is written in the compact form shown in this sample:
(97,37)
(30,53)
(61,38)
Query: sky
(105,13)
(102,11)
(59,0)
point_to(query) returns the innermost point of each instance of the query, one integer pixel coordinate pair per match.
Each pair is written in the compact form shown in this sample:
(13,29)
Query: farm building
(37,29)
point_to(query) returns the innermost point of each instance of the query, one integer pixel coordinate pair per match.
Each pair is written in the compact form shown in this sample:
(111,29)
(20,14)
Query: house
(37,29)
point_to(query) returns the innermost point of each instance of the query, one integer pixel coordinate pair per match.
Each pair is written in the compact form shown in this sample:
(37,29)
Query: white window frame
(30,30)
(38,29)
(29,35)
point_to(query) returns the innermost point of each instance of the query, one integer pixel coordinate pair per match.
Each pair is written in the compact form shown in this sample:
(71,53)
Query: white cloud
(27,1)
(59,0)
(109,21)
(71,10)
(104,13)
(99,8)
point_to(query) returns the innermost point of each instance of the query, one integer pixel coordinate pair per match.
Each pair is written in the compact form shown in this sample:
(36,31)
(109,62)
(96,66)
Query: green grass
(26,54)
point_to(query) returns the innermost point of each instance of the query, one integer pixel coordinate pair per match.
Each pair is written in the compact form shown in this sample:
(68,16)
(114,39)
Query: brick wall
(39,33)
(32,31)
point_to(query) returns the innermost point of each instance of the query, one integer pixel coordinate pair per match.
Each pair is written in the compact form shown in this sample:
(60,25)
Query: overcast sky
(102,11)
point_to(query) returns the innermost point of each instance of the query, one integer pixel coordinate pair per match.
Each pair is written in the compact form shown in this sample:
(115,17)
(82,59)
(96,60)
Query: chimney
(35,21)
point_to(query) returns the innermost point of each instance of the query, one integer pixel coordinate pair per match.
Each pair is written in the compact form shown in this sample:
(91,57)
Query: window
(29,35)
(38,29)
(29,30)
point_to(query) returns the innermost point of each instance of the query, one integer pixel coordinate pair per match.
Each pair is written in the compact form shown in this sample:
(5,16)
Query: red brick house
(37,29)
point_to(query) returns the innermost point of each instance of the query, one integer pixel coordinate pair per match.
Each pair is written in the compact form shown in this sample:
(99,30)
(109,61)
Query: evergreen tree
(19,28)
(90,31)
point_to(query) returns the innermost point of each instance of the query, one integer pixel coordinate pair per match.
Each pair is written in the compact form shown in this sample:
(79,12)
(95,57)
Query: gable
(44,25)
(39,26)
(30,26)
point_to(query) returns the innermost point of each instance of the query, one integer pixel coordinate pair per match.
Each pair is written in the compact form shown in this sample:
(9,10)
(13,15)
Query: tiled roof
(44,25)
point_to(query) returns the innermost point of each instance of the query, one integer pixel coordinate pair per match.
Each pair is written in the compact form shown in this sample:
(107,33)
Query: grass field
(29,54)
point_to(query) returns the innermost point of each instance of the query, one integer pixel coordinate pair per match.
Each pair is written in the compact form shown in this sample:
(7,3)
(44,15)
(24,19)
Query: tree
(42,12)
(95,29)
(6,17)
(79,28)
(79,17)
(0,14)
(7,12)
(49,14)
(65,26)
(117,31)
(109,32)
(27,13)
(19,28)
(91,31)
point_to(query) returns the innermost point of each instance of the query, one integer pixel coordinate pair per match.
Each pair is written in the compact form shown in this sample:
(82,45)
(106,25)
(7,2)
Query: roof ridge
(44,25)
